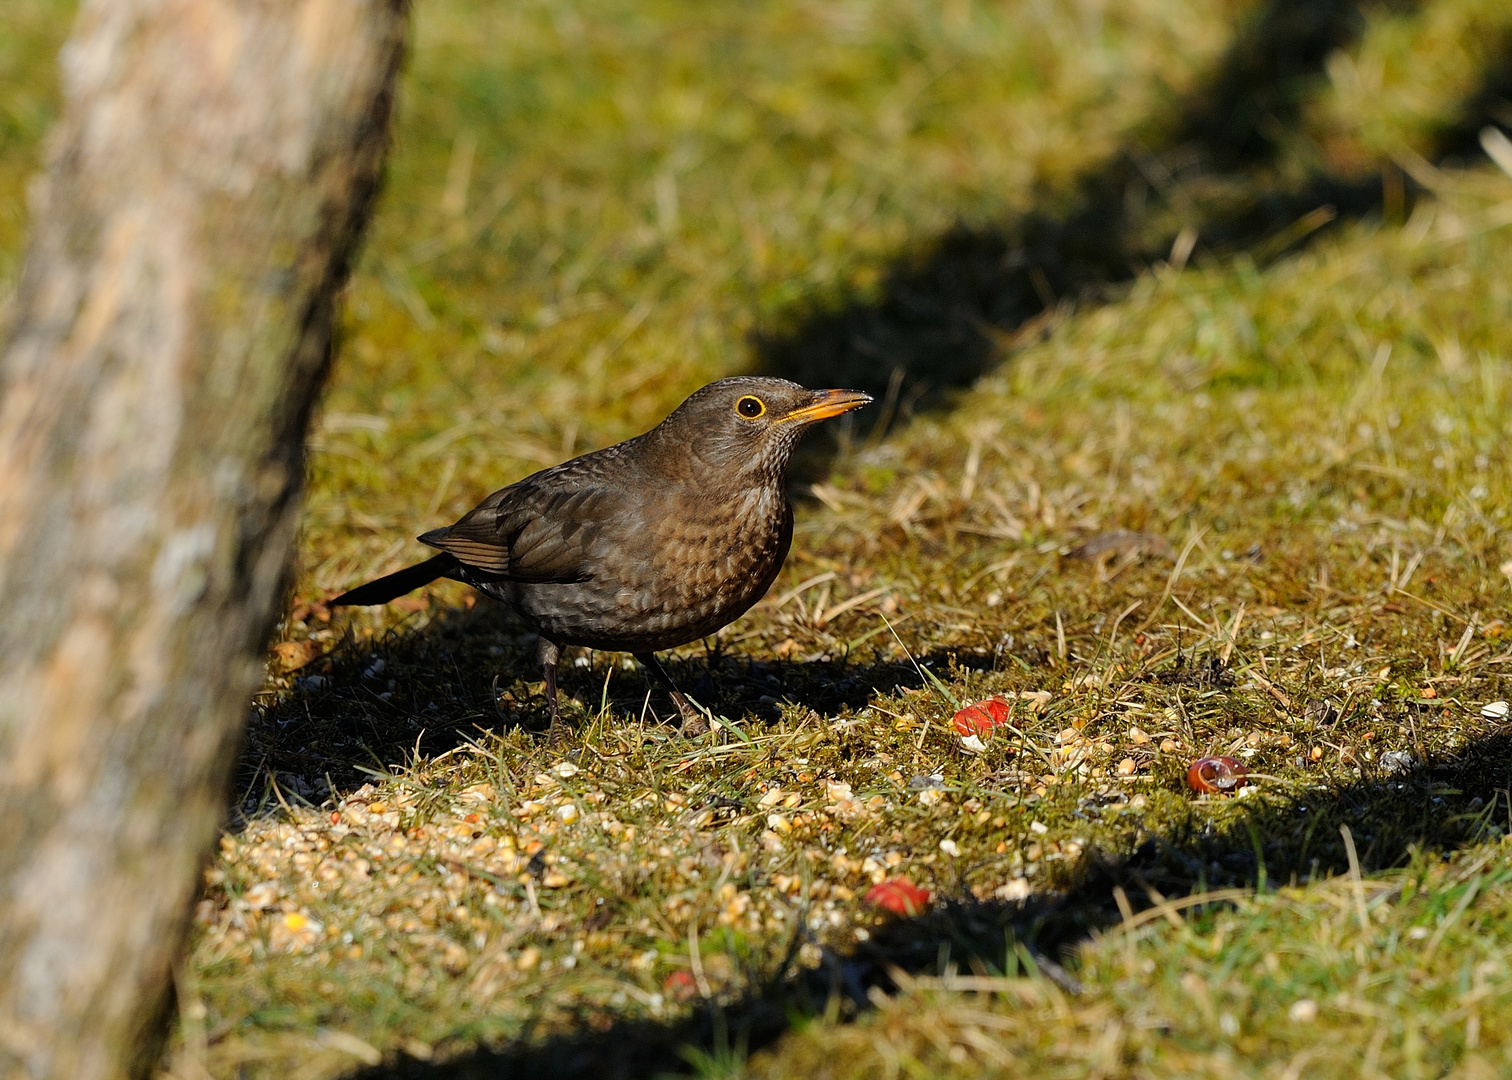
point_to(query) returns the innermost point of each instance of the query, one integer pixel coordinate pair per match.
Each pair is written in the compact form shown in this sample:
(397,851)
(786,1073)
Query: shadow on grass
(1426,806)
(1220,175)
(365,707)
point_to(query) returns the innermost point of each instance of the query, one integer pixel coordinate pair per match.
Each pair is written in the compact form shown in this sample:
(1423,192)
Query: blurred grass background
(1231,275)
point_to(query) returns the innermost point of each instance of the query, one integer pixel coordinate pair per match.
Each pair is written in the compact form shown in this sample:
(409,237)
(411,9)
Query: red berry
(899,896)
(680,985)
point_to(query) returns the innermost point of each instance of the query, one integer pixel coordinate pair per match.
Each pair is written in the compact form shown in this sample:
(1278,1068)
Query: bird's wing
(533,531)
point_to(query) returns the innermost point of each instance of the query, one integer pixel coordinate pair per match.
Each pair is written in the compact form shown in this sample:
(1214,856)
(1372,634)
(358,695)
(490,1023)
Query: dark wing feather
(475,541)
(534,531)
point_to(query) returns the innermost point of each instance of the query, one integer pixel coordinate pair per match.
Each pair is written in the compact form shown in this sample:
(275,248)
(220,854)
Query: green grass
(592,210)
(1394,975)
(34,31)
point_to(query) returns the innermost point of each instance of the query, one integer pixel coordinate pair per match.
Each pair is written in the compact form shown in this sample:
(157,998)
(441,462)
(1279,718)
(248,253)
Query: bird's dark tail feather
(394,585)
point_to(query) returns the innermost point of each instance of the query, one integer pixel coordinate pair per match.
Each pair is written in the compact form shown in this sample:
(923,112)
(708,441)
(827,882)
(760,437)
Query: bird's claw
(694,722)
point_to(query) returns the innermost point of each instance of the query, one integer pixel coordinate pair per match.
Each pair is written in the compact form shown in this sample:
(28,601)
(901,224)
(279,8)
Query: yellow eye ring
(751,408)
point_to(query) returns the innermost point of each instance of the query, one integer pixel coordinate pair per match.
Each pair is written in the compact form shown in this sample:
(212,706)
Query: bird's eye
(750,407)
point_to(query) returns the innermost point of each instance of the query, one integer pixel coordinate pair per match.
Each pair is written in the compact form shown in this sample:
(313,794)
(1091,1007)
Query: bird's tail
(387,588)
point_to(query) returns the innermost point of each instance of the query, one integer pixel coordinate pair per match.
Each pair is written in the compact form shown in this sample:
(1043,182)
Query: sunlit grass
(590,211)
(1395,975)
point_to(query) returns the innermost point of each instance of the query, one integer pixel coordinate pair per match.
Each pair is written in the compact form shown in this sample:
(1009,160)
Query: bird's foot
(694,722)
(548,653)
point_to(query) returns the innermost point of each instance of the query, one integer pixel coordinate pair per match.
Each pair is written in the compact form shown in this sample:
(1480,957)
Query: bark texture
(213,168)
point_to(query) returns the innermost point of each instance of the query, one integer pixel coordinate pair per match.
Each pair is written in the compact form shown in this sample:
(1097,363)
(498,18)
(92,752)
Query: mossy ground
(1087,238)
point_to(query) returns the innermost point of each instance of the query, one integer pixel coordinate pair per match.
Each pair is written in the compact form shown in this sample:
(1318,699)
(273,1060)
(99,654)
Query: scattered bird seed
(1016,889)
(1303,1011)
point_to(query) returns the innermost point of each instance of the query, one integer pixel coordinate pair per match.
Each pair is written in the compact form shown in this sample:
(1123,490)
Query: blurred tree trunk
(206,186)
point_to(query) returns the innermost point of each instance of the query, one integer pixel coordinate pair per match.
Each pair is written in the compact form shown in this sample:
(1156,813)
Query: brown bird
(646,545)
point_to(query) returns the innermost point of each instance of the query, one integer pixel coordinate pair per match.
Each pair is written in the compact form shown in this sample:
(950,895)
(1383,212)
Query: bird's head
(752,423)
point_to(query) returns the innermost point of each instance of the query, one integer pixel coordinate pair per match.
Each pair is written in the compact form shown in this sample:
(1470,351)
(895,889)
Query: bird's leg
(548,654)
(693,721)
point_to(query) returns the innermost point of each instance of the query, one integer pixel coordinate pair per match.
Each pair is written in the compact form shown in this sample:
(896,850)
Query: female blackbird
(646,545)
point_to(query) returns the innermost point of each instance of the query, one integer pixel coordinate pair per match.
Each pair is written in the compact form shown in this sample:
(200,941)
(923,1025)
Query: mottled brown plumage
(645,545)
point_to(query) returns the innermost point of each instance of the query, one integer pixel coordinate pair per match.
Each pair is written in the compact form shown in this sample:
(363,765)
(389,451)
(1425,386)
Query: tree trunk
(209,179)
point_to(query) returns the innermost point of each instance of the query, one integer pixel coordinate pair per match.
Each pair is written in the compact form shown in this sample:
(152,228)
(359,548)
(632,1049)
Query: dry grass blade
(1356,881)
(1167,909)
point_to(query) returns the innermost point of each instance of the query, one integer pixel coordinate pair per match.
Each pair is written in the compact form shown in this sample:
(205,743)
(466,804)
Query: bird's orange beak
(831,403)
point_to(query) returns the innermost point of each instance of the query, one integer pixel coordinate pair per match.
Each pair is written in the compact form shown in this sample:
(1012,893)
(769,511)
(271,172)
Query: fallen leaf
(293,655)
(980,718)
